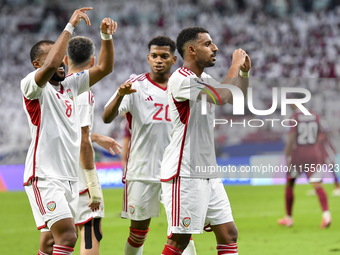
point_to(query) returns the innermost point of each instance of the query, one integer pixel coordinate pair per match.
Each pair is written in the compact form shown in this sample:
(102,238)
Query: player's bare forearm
(106,54)
(86,151)
(243,84)
(111,111)
(105,62)
(107,142)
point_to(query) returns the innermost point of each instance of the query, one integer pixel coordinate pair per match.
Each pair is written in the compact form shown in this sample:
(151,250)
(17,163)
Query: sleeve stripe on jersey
(141,77)
(187,71)
(130,80)
(182,73)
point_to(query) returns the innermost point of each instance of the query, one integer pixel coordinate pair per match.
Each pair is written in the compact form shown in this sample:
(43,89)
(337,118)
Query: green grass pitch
(255,210)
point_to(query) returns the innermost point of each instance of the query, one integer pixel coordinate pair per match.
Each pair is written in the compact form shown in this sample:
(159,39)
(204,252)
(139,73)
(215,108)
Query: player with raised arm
(143,99)
(303,155)
(191,203)
(80,56)
(50,103)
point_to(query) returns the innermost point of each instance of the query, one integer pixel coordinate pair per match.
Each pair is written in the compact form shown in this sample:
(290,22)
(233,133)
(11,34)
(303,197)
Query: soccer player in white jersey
(193,202)
(143,99)
(50,102)
(80,56)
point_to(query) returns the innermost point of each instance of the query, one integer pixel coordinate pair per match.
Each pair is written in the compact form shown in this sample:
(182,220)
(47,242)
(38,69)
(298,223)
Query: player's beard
(57,77)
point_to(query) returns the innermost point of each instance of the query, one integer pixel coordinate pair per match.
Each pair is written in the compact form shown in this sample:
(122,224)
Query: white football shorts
(52,200)
(191,204)
(84,212)
(141,200)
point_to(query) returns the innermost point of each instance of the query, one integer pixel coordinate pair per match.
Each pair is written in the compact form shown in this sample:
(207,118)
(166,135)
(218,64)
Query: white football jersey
(147,112)
(53,120)
(86,116)
(192,139)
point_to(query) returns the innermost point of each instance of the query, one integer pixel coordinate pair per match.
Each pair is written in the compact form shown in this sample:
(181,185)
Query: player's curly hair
(162,41)
(36,50)
(186,35)
(80,49)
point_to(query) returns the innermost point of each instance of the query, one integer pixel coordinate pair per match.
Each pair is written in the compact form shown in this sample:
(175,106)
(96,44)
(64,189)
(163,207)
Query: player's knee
(179,241)
(68,238)
(232,235)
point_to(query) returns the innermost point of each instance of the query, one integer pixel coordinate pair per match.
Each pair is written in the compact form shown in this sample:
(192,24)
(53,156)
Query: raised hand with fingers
(80,14)
(239,57)
(108,26)
(125,89)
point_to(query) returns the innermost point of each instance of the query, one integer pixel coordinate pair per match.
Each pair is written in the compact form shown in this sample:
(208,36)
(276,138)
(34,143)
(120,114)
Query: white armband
(105,37)
(244,74)
(70,28)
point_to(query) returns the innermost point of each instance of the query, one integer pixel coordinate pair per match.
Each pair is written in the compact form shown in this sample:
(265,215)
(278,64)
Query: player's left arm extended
(107,142)
(106,54)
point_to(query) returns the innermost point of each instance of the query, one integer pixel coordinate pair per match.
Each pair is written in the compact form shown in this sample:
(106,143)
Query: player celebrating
(50,102)
(302,153)
(143,99)
(192,203)
(80,56)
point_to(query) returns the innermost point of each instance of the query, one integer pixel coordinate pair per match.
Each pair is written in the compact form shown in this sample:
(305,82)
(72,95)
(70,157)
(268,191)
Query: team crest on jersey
(51,206)
(132,209)
(69,93)
(186,221)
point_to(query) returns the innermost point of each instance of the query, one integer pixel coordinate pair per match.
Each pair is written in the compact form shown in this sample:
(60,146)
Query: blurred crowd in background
(291,43)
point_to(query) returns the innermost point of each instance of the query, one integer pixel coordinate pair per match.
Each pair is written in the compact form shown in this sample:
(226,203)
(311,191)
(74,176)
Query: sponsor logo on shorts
(132,209)
(51,206)
(69,94)
(186,221)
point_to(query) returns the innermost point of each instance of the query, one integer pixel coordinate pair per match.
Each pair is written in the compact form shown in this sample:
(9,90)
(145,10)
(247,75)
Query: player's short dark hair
(80,49)
(186,35)
(163,41)
(36,50)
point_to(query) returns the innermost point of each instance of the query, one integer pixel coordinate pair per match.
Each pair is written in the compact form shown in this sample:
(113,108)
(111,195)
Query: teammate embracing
(143,99)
